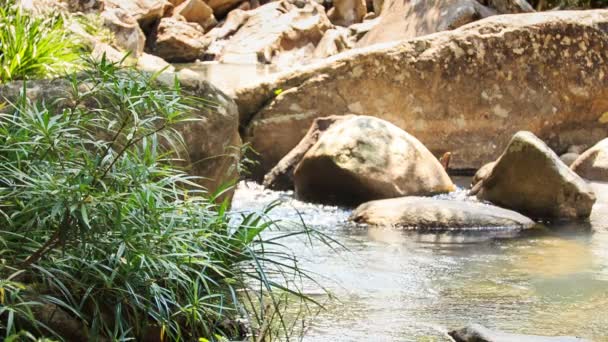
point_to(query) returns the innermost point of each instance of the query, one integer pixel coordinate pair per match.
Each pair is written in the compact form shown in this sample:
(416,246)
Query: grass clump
(35,46)
(103,238)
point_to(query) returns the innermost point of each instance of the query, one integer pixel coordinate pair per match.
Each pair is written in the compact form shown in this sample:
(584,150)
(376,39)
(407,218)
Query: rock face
(365,158)
(211,141)
(347,12)
(127,33)
(281,176)
(531,179)
(478,333)
(454,90)
(179,41)
(593,164)
(438,214)
(282,32)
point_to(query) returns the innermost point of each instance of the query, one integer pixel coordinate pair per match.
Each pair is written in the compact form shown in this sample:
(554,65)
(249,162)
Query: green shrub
(98,228)
(35,47)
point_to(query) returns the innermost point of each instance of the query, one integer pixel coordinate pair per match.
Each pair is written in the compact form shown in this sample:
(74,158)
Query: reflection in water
(393,285)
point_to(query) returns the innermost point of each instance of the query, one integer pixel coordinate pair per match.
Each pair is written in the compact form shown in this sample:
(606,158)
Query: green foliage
(97,225)
(33,47)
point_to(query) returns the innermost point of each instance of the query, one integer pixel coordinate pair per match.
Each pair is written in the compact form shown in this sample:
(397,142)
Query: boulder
(439,214)
(282,32)
(364,158)
(483,173)
(281,176)
(85,6)
(146,12)
(402,20)
(410,19)
(531,179)
(127,33)
(479,333)
(212,142)
(196,11)
(593,163)
(222,7)
(347,12)
(178,41)
(466,91)
(150,63)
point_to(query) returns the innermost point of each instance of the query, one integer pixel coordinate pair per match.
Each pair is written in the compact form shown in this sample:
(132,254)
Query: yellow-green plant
(35,47)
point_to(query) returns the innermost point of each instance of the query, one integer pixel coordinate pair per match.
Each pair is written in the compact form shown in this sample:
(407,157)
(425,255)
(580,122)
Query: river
(395,285)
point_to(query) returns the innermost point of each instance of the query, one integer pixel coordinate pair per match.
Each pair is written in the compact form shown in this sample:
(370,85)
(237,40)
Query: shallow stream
(394,285)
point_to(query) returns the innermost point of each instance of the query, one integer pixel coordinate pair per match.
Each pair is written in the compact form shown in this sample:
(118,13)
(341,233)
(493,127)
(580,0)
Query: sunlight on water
(393,285)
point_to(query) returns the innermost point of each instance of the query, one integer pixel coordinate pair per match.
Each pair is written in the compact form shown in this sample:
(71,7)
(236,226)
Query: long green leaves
(103,237)
(32,47)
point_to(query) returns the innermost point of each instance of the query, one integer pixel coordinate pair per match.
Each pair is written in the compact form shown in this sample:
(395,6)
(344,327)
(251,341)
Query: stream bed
(396,285)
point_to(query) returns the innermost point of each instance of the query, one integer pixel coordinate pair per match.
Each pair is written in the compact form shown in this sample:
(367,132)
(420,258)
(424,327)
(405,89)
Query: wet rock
(479,333)
(365,158)
(196,11)
(569,158)
(593,163)
(281,176)
(178,41)
(347,12)
(454,90)
(283,32)
(127,33)
(439,214)
(531,179)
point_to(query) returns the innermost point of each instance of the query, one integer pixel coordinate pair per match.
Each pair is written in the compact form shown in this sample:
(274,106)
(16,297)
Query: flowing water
(394,285)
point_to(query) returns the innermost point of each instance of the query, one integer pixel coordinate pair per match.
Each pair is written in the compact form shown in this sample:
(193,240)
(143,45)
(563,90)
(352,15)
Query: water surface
(393,285)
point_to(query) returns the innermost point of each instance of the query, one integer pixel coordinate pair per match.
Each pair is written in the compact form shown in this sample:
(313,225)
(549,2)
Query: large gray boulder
(439,214)
(531,179)
(593,163)
(466,91)
(281,176)
(479,333)
(365,158)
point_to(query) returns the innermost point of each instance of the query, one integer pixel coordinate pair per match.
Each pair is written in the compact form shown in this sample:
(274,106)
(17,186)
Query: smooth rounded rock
(593,163)
(439,214)
(366,158)
(531,179)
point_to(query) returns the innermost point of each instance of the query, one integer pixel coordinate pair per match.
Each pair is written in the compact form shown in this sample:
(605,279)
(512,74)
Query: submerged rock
(479,333)
(439,214)
(593,163)
(365,158)
(454,90)
(531,179)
